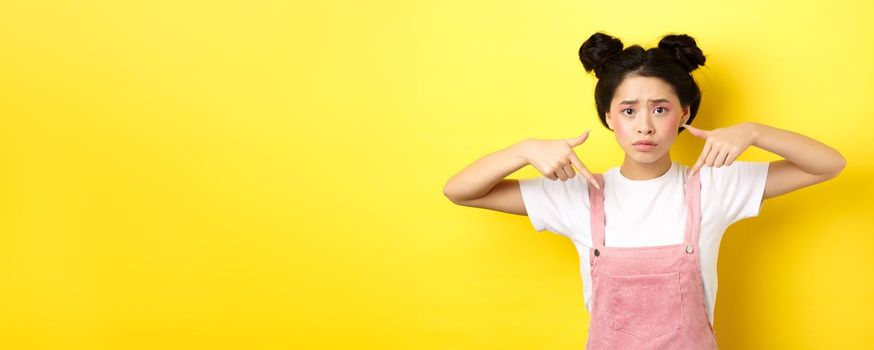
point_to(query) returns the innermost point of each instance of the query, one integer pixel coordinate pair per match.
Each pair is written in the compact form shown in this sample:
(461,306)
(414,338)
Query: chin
(644,157)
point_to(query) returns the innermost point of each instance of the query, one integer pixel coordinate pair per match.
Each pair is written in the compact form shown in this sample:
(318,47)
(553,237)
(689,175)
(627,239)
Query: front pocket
(646,306)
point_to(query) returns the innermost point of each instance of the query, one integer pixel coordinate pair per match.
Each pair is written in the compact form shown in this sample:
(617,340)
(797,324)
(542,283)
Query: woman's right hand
(555,159)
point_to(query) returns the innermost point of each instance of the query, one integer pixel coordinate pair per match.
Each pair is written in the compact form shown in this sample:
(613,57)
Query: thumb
(695,131)
(576,141)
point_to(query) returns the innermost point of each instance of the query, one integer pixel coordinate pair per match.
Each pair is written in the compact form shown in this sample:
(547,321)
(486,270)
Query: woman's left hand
(723,145)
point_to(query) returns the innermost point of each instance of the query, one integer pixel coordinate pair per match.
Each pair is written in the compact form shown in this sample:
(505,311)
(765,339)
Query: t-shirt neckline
(662,178)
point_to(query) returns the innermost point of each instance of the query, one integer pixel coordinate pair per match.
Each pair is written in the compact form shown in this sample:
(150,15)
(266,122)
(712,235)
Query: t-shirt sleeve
(739,188)
(555,205)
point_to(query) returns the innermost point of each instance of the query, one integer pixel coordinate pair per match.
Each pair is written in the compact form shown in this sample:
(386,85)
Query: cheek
(619,125)
(669,122)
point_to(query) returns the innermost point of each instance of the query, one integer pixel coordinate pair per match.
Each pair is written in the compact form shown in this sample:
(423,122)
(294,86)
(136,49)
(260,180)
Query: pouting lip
(644,142)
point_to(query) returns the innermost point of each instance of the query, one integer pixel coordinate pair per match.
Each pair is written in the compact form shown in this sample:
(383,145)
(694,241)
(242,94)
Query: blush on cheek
(617,127)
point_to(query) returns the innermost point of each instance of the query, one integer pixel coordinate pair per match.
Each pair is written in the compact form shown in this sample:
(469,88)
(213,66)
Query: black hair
(673,61)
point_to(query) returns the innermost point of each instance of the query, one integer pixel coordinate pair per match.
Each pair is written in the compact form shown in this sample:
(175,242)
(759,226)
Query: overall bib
(648,297)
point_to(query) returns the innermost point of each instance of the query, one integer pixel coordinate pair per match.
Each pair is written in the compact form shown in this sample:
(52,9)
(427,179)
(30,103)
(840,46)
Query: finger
(701,158)
(720,159)
(576,141)
(690,128)
(730,158)
(561,173)
(584,171)
(569,170)
(697,132)
(700,161)
(712,156)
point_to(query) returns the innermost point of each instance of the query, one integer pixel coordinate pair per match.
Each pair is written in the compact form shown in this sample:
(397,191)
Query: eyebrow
(633,102)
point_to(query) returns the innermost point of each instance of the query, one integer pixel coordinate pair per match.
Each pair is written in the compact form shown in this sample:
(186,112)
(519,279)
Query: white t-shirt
(648,212)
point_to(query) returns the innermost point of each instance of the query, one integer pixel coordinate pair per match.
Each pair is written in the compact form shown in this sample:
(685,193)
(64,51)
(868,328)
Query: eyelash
(666,110)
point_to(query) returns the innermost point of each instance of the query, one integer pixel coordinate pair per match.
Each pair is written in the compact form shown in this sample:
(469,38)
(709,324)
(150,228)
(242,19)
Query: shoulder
(738,188)
(555,205)
(557,189)
(737,171)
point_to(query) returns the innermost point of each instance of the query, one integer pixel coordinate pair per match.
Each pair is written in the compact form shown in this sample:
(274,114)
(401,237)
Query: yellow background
(269,174)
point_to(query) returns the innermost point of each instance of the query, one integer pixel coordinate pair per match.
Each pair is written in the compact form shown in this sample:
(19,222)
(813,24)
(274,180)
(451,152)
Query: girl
(647,232)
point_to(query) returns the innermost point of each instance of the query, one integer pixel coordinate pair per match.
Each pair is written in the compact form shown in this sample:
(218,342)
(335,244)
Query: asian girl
(647,231)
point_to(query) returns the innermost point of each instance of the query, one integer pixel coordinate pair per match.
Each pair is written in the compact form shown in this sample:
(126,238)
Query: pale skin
(805,162)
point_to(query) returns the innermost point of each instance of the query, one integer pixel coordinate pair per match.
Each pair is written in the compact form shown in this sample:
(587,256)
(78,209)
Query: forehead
(643,89)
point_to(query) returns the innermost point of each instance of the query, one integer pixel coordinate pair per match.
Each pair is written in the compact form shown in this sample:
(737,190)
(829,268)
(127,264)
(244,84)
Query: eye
(627,109)
(662,108)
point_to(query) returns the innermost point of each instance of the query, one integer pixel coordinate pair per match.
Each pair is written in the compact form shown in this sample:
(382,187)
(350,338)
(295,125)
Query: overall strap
(693,209)
(596,211)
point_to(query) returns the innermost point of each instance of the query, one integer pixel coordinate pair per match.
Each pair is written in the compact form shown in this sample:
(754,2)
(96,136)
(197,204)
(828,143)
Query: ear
(686,114)
(609,122)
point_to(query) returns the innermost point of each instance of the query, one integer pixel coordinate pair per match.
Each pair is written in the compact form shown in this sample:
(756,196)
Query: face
(645,109)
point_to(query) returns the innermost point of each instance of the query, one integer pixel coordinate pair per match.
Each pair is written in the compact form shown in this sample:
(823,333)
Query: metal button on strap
(689,249)
(597,253)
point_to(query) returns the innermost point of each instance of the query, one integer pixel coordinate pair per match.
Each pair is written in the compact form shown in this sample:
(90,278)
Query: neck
(634,170)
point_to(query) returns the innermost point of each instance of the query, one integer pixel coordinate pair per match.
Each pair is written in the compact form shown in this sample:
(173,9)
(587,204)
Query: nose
(646,126)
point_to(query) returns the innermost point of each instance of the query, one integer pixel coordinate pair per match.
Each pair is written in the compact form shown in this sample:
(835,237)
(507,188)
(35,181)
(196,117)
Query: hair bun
(597,49)
(684,49)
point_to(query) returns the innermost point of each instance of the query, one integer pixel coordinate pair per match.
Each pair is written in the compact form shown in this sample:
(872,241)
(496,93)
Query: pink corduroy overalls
(648,297)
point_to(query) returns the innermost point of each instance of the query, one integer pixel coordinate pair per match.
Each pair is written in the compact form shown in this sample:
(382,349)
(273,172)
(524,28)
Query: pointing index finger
(700,162)
(583,170)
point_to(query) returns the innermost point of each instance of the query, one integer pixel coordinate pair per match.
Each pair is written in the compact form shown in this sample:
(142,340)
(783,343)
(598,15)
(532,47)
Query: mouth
(644,146)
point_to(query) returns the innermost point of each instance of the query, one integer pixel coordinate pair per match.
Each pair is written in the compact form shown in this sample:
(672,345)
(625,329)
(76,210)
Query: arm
(806,161)
(482,184)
